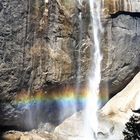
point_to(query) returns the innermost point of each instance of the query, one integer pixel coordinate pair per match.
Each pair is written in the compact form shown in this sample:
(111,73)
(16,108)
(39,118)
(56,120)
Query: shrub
(132,128)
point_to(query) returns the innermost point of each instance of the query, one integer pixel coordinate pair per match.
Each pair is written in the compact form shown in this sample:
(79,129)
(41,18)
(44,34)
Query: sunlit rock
(114,6)
(39,45)
(16,135)
(73,128)
(124,102)
(112,117)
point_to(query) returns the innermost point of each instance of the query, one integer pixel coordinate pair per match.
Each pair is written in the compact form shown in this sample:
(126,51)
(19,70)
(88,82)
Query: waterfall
(92,104)
(78,53)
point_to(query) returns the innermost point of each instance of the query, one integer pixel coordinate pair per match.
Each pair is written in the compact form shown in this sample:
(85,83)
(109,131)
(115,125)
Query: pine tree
(132,129)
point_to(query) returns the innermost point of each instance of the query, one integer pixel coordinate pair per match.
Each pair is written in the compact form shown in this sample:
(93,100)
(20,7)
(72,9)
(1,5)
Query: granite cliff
(39,44)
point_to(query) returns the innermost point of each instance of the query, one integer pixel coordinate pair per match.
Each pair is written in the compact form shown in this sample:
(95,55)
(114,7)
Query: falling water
(92,106)
(78,81)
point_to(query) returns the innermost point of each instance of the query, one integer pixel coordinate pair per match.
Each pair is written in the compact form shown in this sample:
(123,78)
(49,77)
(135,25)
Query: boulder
(112,117)
(124,102)
(16,135)
(73,128)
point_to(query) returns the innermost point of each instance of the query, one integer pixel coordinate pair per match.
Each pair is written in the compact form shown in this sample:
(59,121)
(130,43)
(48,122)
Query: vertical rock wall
(39,45)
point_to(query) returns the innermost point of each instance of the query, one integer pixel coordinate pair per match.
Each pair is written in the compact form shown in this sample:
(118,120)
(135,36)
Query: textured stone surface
(17,29)
(113,6)
(127,99)
(37,50)
(112,117)
(121,50)
(73,129)
(39,45)
(16,135)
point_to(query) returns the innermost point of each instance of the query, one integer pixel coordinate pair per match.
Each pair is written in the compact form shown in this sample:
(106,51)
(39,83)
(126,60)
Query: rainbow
(67,96)
(39,97)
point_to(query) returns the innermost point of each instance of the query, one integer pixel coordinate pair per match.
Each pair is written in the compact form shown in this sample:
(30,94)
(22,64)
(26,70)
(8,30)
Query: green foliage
(132,129)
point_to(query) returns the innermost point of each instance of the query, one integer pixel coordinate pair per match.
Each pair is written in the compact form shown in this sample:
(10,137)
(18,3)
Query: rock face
(39,44)
(16,38)
(121,40)
(114,6)
(73,129)
(127,99)
(112,117)
(121,47)
(37,52)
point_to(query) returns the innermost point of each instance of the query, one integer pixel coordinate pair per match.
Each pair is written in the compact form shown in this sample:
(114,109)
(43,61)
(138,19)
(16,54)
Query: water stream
(79,46)
(68,106)
(92,104)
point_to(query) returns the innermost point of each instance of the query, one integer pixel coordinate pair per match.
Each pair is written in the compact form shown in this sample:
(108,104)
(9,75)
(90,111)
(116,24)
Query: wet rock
(73,128)
(112,117)
(39,46)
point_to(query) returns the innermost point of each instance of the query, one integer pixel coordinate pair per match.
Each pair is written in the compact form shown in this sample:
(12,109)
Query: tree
(132,128)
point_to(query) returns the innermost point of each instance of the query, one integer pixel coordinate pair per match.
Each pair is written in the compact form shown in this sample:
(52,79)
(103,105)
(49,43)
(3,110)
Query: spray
(92,105)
